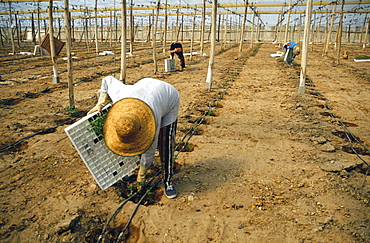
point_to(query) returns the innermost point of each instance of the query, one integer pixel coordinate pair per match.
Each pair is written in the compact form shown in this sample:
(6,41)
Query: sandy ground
(268,164)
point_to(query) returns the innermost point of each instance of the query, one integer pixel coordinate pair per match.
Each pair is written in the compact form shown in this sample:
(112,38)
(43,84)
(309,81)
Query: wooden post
(102,30)
(306,37)
(59,29)
(165,29)
(349,34)
(330,29)
(39,27)
(297,36)
(67,20)
(142,32)
(280,29)
(132,30)
(110,28)
(252,33)
(366,33)
(72,30)
(225,32)
(149,29)
(116,26)
(277,28)
(213,46)
(326,29)
(319,39)
(182,28)
(287,22)
(294,32)
(177,24)
(340,28)
(52,44)
(232,28)
(313,35)
(11,28)
(123,41)
(17,29)
(243,30)
(32,29)
(192,35)
(259,26)
(96,27)
(87,32)
(1,37)
(218,28)
(202,27)
(337,36)
(45,27)
(155,38)
(363,28)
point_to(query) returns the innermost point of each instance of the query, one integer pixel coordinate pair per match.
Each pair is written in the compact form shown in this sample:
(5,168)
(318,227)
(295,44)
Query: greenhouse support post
(213,46)
(306,37)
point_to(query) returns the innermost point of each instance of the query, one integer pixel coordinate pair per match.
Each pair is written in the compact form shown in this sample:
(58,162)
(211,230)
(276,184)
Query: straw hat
(129,127)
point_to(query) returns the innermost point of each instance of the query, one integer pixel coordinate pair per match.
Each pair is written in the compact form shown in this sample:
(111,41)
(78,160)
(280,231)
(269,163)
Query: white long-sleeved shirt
(160,96)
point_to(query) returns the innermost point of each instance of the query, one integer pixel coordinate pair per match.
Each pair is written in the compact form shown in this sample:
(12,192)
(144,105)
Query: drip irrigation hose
(3,149)
(347,132)
(350,137)
(135,210)
(128,199)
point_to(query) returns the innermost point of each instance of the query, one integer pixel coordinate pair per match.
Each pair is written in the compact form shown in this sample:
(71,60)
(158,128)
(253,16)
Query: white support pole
(123,41)
(213,46)
(306,37)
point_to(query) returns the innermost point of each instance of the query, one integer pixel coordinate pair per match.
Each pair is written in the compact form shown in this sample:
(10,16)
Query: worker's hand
(103,98)
(94,109)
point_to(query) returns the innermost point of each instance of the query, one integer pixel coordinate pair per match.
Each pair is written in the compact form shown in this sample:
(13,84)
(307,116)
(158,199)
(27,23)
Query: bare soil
(265,163)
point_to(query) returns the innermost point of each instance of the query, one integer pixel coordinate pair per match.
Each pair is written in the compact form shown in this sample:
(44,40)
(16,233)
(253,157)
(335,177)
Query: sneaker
(170,191)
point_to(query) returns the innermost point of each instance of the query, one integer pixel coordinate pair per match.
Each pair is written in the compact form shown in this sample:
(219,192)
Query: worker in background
(291,50)
(176,48)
